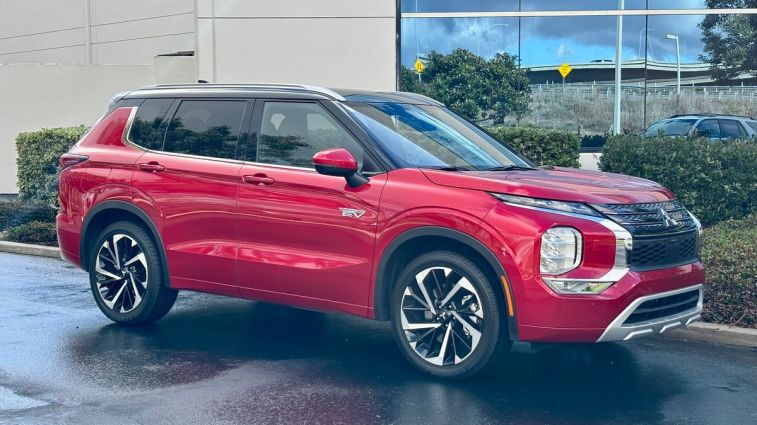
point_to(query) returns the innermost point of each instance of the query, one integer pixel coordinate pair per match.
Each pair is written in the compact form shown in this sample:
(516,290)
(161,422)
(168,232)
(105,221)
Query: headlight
(560,250)
(548,204)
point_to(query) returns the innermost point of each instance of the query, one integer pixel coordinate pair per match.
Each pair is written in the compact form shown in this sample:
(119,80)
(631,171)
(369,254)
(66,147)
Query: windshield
(670,128)
(426,136)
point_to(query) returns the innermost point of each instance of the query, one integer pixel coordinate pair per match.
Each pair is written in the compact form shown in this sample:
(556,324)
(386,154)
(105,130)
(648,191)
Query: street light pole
(478,41)
(618,75)
(678,71)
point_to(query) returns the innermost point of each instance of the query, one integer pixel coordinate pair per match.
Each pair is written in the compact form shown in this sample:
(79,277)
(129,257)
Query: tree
(730,41)
(476,88)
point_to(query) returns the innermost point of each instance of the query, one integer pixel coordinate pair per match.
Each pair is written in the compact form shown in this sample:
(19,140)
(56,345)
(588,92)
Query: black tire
(493,340)
(155,300)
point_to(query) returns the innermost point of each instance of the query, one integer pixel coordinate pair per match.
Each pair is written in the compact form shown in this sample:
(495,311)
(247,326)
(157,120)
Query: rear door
(190,175)
(305,238)
(731,129)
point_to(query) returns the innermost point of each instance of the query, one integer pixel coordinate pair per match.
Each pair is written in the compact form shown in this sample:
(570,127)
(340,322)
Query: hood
(563,184)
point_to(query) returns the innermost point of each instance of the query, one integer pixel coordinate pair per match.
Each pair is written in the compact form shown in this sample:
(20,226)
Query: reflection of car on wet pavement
(216,360)
(711,126)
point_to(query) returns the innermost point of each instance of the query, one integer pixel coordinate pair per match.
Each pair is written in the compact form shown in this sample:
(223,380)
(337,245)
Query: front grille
(664,233)
(648,219)
(664,251)
(663,307)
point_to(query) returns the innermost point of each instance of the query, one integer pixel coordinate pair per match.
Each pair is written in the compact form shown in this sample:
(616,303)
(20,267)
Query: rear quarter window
(147,129)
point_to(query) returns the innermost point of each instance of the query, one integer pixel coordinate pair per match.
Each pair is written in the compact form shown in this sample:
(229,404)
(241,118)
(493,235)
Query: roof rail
(266,86)
(712,115)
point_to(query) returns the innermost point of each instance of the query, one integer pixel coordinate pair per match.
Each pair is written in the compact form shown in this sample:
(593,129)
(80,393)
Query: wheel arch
(429,238)
(108,212)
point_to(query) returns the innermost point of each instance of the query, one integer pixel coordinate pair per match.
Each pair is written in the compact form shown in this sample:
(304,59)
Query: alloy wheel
(442,316)
(121,273)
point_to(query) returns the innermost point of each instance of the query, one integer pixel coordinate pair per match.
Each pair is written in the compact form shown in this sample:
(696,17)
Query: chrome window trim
(615,331)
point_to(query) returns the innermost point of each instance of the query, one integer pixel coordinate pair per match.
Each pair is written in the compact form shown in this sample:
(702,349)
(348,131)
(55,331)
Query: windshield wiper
(447,168)
(509,168)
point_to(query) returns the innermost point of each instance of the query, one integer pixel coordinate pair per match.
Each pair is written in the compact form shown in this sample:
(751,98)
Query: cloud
(548,40)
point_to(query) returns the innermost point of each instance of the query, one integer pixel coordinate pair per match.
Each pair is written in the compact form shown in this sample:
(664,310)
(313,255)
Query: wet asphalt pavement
(220,360)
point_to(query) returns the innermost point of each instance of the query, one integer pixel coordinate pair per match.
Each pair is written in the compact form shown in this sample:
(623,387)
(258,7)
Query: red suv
(384,205)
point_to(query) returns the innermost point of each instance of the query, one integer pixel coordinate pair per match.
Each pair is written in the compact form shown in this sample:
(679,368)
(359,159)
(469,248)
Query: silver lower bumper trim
(617,332)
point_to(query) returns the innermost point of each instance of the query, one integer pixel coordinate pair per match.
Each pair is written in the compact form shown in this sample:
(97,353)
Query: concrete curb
(29,249)
(698,331)
(720,334)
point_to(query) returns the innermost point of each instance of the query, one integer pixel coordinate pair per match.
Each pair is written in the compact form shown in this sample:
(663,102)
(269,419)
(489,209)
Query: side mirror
(339,162)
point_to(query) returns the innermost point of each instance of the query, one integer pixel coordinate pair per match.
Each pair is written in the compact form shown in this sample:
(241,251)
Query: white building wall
(42,96)
(336,43)
(110,31)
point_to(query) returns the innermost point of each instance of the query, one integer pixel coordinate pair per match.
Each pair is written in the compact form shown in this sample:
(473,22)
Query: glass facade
(544,34)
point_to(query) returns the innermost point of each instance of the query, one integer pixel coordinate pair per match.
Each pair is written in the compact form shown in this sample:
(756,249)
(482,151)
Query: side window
(146,129)
(292,132)
(206,128)
(753,124)
(709,128)
(731,129)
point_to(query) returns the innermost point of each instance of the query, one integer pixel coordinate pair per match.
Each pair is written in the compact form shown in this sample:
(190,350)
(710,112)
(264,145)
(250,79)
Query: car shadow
(531,384)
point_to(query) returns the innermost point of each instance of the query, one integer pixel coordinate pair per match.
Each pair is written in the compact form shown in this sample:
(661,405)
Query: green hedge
(34,232)
(542,145)
(716,180)
(730,293)
(14,213)
(38,154)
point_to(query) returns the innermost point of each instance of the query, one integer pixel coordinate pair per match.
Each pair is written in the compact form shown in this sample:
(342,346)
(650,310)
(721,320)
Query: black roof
(285,90)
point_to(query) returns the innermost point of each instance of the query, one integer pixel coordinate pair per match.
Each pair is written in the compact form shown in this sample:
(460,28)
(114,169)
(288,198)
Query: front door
(305,238)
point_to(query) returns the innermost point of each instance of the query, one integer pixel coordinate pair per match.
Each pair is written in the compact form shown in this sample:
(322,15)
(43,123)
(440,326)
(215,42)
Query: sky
(551,40)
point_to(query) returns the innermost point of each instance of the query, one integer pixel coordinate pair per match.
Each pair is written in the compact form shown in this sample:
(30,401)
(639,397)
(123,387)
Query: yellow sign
(564,70)
(419,66)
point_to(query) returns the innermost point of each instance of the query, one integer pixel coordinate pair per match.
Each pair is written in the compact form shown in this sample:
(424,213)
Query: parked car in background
(384,205)
(712,126)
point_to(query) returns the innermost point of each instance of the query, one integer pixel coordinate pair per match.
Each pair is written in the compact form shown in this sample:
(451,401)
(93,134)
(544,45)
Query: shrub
(714,179)
(543,146)
(38,154)
(593,144)
(15,213)
(730,293)
(35,232)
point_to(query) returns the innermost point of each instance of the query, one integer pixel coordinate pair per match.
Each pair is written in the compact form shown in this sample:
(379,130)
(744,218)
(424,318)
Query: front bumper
(621,330)
(544,316)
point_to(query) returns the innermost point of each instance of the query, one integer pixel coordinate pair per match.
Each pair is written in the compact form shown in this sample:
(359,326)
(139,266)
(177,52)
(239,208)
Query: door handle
(152,167)
(259,179)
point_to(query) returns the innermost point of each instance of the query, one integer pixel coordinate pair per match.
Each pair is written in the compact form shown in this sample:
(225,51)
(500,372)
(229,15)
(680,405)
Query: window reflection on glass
(546,5)
(291,133)
(459,5)
(587,43)
(146,130)
(205,128)
(482,36)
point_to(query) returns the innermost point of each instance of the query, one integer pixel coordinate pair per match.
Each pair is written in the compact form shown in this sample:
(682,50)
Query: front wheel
(446,316)
(125,273)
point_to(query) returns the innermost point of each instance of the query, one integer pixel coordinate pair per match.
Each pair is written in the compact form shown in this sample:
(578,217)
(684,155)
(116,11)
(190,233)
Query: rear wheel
(446,317)
(125,274)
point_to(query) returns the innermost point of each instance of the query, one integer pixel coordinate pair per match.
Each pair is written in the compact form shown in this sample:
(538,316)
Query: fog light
(560,250)
(577,287)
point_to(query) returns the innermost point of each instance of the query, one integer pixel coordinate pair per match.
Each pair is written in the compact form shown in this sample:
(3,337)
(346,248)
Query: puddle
(12,401)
